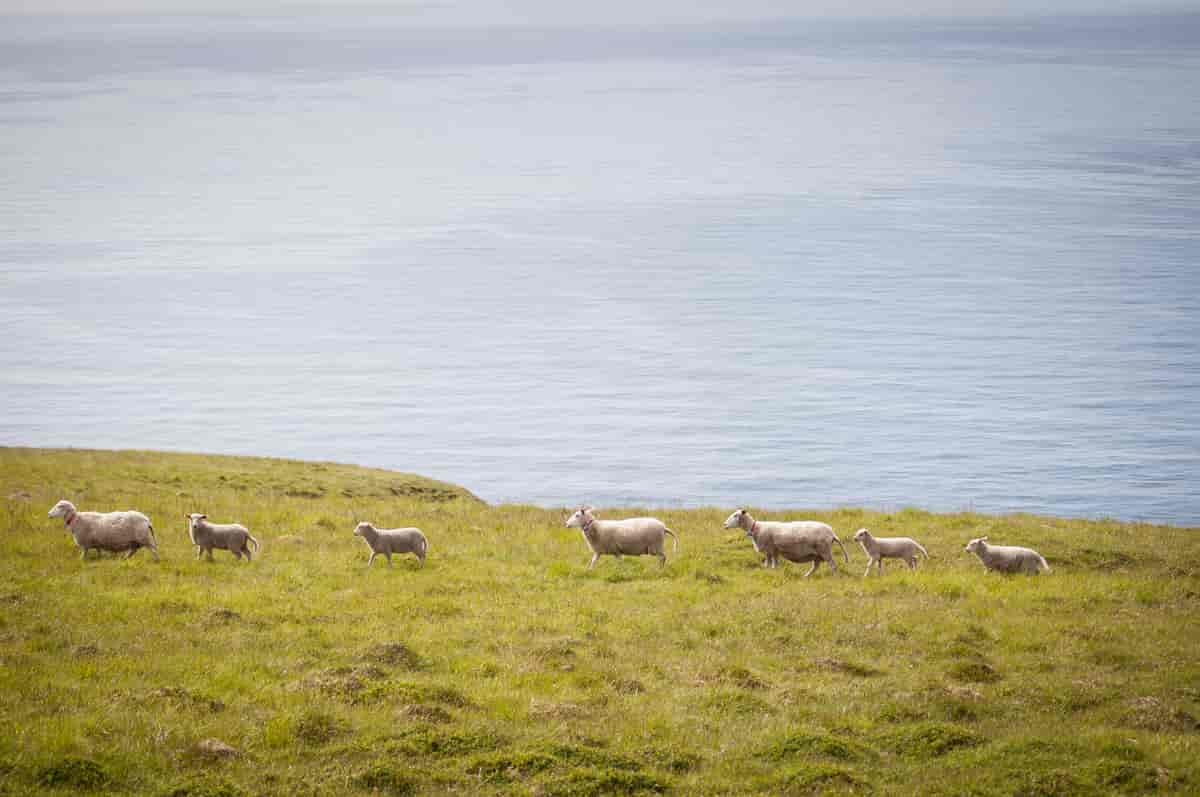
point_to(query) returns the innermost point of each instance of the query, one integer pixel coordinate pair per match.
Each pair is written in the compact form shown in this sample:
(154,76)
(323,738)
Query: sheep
(796,541)
(1007,558)
(879,548)
(390,541)
(222,536)
(107,531)
(639,536)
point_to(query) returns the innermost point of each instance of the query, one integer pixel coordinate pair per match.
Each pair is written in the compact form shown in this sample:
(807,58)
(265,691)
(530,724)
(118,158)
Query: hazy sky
(613,11)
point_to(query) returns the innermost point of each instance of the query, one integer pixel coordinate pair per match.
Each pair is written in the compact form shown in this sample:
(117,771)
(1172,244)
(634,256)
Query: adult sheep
(107,531)
(639,536)
(796,541)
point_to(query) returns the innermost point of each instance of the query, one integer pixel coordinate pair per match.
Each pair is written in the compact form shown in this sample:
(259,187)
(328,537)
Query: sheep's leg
(236,554)
(662,559)
(210,556)
(420,560)
(388,554)
(812,569)
(832,561)
(246,551)
(879,564)
(592,563)
(132,551)
(870,564)
(372,559)
(83,554)
(912,563)
(199,552)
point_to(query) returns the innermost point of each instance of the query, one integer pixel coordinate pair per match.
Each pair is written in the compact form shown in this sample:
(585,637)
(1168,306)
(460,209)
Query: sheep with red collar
(639,536)
(107,531)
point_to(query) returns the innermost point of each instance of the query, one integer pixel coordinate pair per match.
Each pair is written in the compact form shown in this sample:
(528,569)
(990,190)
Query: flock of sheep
(796,541)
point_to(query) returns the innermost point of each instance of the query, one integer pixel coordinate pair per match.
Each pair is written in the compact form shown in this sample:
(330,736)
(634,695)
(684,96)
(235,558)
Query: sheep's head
(861,535)
(362,527)
(735,519)
(194,518)
(580,518)
(62,508)
(976,545)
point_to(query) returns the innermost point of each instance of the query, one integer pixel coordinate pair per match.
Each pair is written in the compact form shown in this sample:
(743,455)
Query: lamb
(796,541)
(639,536)
(222,536)
(1007,558)
(107,531)
(390,541)
(879,548)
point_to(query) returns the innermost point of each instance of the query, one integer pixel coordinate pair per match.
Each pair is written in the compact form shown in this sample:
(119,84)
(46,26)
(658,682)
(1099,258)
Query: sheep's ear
(203,517)
(983,539)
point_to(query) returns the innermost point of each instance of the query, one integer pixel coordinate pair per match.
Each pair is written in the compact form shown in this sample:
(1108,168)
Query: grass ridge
(505,667)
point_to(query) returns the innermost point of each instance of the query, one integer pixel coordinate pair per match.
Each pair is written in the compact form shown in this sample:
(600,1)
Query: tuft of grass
(975,672)
(203,788)
(1155,714)
(178,697)
(1128,777)
(817,744)
(821,779)
(586,756)
(506,768)
(453,743)
(847,667)
(394,654)
(674,761)
(1055,783)
(426,714)
(386,779)
(741,678)
(74,773)
(930,739)
(595,782)
(316,727)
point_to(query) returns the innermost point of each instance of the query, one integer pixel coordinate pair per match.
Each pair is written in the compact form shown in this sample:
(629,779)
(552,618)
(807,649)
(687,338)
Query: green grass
(503,667)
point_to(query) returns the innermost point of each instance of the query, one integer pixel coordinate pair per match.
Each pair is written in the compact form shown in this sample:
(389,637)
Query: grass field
(503,667)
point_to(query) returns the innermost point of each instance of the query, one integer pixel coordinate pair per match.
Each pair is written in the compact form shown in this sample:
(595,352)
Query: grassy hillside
(503,667)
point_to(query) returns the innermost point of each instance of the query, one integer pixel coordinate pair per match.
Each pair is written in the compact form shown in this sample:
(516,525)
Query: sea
(951,264)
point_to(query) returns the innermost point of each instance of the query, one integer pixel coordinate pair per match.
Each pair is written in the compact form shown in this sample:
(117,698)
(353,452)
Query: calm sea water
(789,264)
